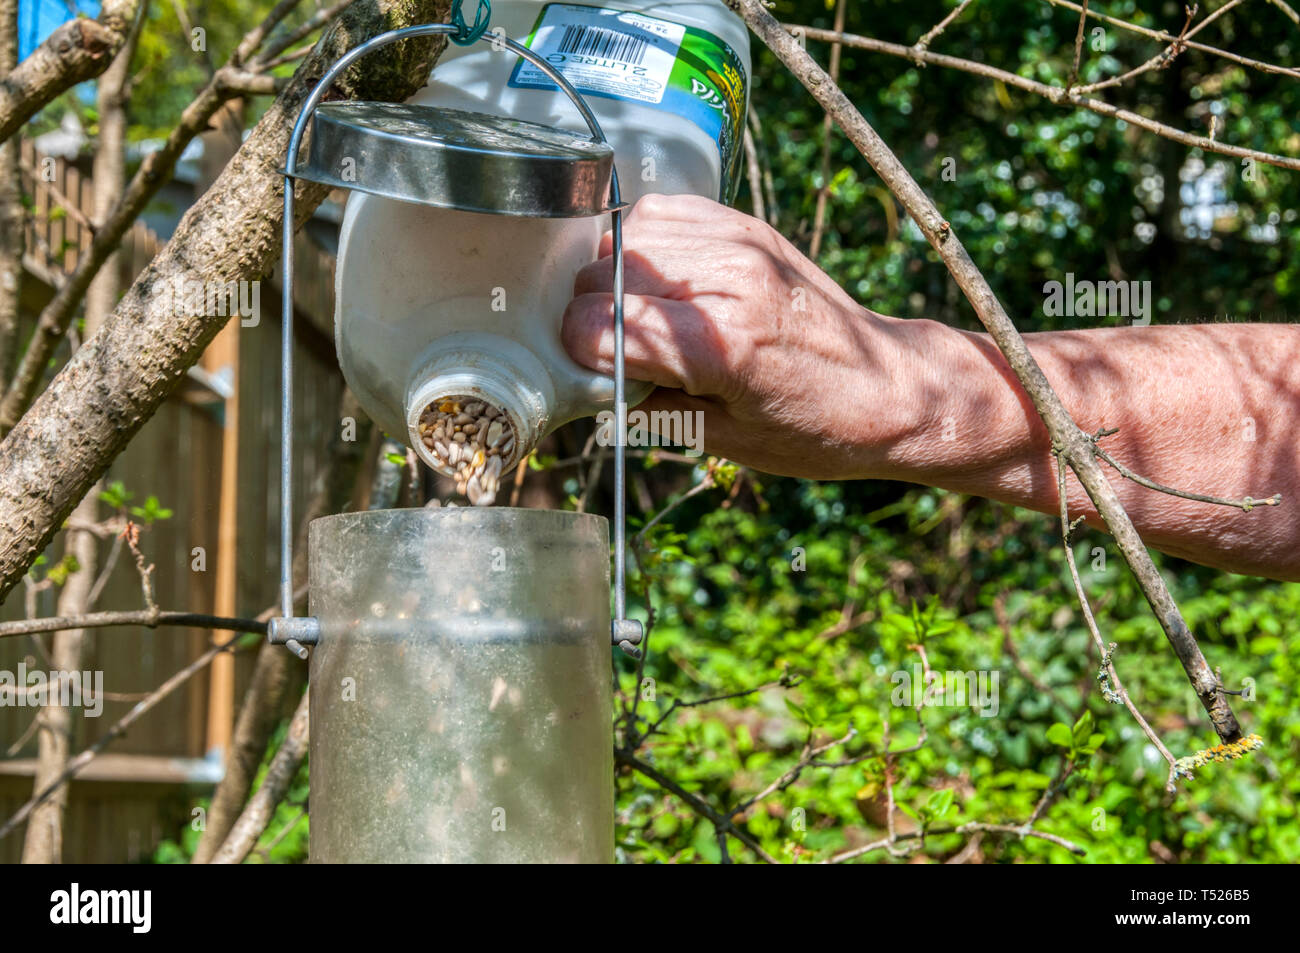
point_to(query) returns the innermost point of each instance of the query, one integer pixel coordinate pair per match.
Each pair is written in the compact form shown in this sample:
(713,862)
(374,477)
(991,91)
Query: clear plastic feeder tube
(461,698)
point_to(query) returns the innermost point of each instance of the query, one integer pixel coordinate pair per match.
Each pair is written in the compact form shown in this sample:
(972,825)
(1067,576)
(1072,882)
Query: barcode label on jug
(593,41)
(609,52)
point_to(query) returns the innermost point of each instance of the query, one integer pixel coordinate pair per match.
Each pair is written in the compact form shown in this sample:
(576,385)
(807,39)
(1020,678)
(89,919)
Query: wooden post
(222,359)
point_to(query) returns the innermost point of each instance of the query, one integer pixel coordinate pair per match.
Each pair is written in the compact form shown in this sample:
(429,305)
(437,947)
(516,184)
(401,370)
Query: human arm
(794,377)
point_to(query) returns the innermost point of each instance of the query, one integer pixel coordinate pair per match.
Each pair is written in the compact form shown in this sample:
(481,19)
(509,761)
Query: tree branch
(149,618)
(76,51)
(1164,37)
(279,775)
(937,30)
(1075,446)
(52,324)
(120,377)
(720,821)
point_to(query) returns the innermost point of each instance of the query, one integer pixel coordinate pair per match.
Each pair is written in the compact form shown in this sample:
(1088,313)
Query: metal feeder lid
(451,158)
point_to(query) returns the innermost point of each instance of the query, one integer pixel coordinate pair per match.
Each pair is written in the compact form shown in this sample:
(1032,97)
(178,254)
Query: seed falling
(470,439)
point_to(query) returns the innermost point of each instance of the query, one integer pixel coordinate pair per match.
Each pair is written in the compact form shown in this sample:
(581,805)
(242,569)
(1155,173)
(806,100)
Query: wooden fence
(126,802)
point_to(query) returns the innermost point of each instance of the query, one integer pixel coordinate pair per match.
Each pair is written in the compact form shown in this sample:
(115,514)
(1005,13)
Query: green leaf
(116,495)
(939,803)
(64,568)
(1059,734)
(1082,729)
(151,511)
(1094,742)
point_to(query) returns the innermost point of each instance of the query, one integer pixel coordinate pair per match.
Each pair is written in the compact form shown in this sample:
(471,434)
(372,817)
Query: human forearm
(1207,408)
(791,376)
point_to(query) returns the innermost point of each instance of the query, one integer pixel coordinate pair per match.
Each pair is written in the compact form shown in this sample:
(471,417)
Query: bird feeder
(460,686)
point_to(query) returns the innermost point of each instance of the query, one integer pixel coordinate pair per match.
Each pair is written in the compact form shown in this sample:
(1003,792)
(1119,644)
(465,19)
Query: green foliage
(64,568)
(116,495)
(152,511)
(1035,190)
(929,568)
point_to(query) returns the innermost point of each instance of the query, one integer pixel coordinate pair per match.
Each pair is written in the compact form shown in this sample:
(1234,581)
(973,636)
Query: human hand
(729,319)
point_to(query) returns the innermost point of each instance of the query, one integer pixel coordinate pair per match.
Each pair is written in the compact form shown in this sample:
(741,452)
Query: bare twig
(1078,48)
(110,564)
(973,827)
(1164,37)
(1165,56)
(678,705)
(1054,94)
(719,821)
(706,483)
(754,174)
(70,207)
(284,832)
(521,472)
(755,127)
(1107,664)
(317,20)
(1049,794)
(149,618)
(933,33)
(1245,504)
(1287,9)
(291,57)
(132,536)
(828,133)
(807,758)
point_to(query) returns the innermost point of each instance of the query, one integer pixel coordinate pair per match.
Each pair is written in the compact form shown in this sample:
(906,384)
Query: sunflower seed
(470,440)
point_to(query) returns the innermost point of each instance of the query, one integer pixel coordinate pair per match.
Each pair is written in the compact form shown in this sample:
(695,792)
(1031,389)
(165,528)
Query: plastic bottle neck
(483,367)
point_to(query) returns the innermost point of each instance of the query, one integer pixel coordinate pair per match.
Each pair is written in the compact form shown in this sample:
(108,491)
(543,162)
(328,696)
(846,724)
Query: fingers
(652,269)
(669,343)
(672,244)
(675,208)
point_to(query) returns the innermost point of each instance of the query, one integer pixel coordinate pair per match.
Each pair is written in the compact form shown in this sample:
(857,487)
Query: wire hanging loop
(625,632)
(465,34)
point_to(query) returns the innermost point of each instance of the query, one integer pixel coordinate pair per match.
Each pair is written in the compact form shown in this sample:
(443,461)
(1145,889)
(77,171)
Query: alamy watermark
(133,908)
(1087,299)
(918,688)
(187,298)
(655,428)
(35,689)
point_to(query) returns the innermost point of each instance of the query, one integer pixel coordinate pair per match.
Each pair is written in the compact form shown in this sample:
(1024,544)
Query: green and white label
(618,54)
